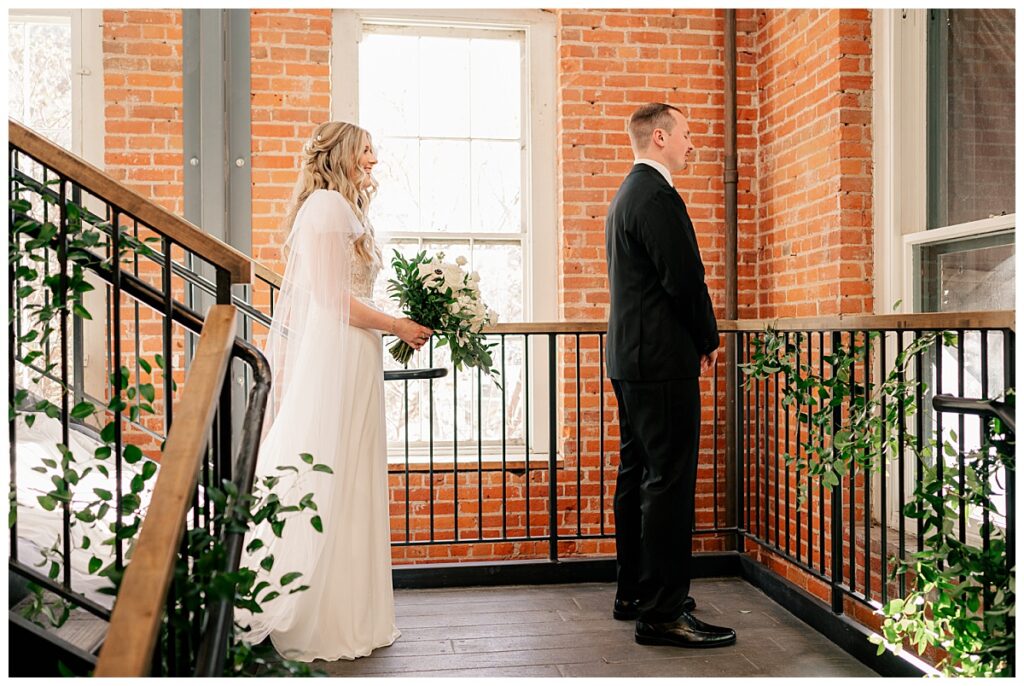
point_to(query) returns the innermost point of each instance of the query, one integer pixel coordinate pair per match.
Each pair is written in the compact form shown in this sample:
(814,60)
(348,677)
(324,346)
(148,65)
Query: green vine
(201,576)
(962,597)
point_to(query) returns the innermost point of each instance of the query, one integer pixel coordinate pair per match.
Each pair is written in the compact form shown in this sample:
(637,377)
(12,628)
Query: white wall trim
(92,119)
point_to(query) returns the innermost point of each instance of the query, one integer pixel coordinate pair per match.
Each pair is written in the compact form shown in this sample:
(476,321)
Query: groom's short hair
(655,115)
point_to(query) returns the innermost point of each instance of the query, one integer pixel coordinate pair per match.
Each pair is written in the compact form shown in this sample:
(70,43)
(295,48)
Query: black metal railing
(121,344)
(542,473)
(849,530)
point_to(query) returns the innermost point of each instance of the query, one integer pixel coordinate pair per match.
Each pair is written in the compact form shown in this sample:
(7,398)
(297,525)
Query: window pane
(389,93)
(444,186)
(444,75)
(501,278)
(49,74)
(967,275)
(16,70)
(396,206)
(496,99)
(39,77)
(497,182)
(971,96)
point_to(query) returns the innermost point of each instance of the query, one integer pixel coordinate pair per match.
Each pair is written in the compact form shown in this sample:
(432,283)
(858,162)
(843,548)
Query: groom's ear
(658,138)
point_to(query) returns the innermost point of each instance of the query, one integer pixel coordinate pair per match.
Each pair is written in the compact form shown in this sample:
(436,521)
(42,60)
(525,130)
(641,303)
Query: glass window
(967,275)
(445,106)
(971,96)
(39,75)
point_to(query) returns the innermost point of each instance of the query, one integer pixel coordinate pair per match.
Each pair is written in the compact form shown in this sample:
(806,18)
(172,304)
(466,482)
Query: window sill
(468,462)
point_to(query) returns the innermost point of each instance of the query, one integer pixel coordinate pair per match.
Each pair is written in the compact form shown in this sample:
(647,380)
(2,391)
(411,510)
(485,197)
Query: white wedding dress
(328,401)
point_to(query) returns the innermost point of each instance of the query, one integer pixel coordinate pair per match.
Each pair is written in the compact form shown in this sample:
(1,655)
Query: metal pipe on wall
(731,177)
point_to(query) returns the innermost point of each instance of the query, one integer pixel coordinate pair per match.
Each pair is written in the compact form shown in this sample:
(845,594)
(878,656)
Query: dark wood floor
(568,630)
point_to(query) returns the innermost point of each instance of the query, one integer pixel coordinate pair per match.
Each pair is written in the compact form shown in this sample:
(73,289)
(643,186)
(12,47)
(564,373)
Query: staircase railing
(116,279)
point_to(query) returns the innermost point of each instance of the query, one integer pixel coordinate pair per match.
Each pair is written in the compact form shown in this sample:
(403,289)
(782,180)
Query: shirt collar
(662,169)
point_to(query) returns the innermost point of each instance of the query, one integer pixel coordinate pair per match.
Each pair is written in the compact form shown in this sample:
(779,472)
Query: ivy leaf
(82,410)
(317,523)
(132,454)
(322,468)
(94,564)
(47,503)
(107,434)
(267,562)
(307,458)
(290,577)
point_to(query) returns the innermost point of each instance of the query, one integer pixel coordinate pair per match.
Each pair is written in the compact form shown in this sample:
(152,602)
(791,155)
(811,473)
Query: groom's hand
(708,361)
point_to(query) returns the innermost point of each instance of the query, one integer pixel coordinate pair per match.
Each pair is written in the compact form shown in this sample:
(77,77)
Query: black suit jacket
(661,318)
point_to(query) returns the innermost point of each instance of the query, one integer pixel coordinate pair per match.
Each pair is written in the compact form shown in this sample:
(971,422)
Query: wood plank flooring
(567,630)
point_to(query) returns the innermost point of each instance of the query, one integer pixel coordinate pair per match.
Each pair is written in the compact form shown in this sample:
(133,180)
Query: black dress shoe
(685,632)
(629,609)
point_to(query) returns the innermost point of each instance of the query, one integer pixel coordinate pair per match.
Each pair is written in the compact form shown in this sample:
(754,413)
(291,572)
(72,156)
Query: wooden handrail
(135,621)
(98,183)
(923,321)
(948,321)
(270,276)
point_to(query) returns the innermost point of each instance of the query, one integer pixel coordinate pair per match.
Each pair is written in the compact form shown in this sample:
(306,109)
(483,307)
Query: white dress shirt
(657,165)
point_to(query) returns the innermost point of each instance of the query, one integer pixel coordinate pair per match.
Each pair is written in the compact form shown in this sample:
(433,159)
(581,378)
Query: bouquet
(440,295)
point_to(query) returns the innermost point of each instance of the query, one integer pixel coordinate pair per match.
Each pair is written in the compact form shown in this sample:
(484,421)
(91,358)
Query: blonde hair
(330,161)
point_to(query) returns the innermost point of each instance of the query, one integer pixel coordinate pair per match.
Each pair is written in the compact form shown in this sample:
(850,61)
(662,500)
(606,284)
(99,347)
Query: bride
(325,352)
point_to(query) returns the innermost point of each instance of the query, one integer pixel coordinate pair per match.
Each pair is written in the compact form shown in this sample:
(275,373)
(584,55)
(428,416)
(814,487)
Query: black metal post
(552,447)
(836,579)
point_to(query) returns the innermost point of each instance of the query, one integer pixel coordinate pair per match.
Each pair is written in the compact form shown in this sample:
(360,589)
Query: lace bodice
(364,274)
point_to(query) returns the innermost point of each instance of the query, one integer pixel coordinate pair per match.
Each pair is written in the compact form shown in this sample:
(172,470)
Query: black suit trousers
(659,427)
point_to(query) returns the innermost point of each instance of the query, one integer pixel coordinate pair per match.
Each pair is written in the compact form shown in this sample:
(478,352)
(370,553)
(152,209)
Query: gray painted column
(217,145)
(217,130)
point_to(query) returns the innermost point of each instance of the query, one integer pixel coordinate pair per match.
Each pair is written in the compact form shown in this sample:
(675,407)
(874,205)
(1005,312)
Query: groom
(662,336)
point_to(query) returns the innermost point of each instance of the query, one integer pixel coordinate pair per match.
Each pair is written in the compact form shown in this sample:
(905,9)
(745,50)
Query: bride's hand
(412,333)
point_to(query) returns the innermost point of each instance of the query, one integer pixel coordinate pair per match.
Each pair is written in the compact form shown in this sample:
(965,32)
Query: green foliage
(200,577)
(446,310)
(962,597)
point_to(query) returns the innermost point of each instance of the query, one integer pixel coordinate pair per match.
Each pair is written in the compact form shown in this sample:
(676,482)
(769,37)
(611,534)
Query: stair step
(82,629)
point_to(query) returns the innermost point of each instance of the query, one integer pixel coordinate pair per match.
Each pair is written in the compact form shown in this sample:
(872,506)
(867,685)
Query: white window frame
(900,54)
(540,182)
(88,127)
(899,59)
(87,100)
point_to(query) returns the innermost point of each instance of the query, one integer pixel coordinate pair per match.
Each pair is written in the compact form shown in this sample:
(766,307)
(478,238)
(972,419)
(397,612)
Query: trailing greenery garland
(201,576)
(962,597)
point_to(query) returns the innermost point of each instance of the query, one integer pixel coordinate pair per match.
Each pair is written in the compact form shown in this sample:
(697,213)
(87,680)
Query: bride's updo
(330,161)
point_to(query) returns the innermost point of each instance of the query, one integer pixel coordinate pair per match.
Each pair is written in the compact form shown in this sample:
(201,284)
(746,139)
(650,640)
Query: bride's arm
(366,317)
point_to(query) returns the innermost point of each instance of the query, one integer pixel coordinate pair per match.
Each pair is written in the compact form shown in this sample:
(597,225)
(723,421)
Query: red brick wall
(611,62)
(813,175)
(143,123)
(804,203)
(142,78)
(291,95)
(814,236)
